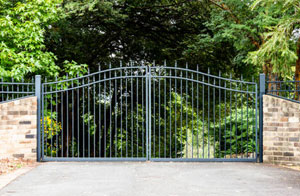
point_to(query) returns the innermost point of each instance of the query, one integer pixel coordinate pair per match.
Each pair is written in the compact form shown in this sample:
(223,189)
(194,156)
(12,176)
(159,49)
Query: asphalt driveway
(140,179)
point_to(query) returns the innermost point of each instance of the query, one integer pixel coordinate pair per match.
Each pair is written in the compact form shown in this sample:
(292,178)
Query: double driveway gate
(157,113)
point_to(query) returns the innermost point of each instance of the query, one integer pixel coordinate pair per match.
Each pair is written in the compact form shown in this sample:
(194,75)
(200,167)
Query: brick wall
(18,129)
(281,131)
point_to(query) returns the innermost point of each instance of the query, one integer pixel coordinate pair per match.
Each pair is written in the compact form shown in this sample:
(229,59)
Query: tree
(94,31)
(281,46)
(22,29)
(233,23)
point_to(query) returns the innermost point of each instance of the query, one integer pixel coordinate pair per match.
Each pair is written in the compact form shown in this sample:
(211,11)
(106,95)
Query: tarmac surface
(150,178)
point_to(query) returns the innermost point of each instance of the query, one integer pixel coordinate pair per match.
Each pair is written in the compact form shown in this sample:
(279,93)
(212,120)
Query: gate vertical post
(38,95)
(262,91)
(149,110)
(147,114)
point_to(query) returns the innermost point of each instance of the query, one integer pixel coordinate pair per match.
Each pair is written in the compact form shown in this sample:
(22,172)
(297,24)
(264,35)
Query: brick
(284,119)
(278,143)
(266,114)
(272,109)
(25,122)
(288,154)
(30,136)
(13,113)
(270,128)
(18,155)
(278,153)
(23,112)
(294,139)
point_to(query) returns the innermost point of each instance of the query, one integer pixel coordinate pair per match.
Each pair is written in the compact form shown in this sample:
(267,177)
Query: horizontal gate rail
(286,89)
(11,90)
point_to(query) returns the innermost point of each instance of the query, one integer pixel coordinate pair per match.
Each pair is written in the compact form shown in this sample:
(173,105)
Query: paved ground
(142,179)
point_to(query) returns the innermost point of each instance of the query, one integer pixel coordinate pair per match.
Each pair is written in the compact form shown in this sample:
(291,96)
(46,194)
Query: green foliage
(237,134)
(22,27)
(231,30)
(52,130)
(279,46)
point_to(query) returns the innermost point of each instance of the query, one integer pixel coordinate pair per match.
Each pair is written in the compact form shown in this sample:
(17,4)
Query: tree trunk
(270,76)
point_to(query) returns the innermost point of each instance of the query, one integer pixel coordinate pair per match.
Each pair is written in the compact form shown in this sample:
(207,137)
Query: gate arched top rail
(205,74)
(171,77)
(97,73)
(114,77)
(151,67)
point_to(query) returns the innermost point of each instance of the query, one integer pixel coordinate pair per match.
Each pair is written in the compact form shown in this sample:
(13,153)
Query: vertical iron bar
(51,121)
(72,138)
(67,111)
(131,99)
(203,117)
(137,116)
(2,89)
(247,121)
(253,123)
(192,115)
(62,120)
(149,115)
(12,90)
(242,153)
(89,131)
(175,119)
(159,106)
(198,111)
(154,114)
(56,127)
(46,119)
(143,142)
(110,115)
(94,101)
(220,134)
(42,97)
(230,114)
(170,131)
(104,131)
(165,112)
(225,119)
(208,108)
(236,128)
(78,114)
(126,113)
(116,116)
(186,110)
(100,111)
(214,114)
(181,97)
(121,108)
(83,123)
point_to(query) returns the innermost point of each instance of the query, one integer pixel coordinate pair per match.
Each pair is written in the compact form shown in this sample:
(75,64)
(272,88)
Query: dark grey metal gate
(157,113)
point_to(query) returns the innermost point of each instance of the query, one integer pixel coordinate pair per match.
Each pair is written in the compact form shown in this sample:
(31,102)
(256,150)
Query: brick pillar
(281,131)
(18,129)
